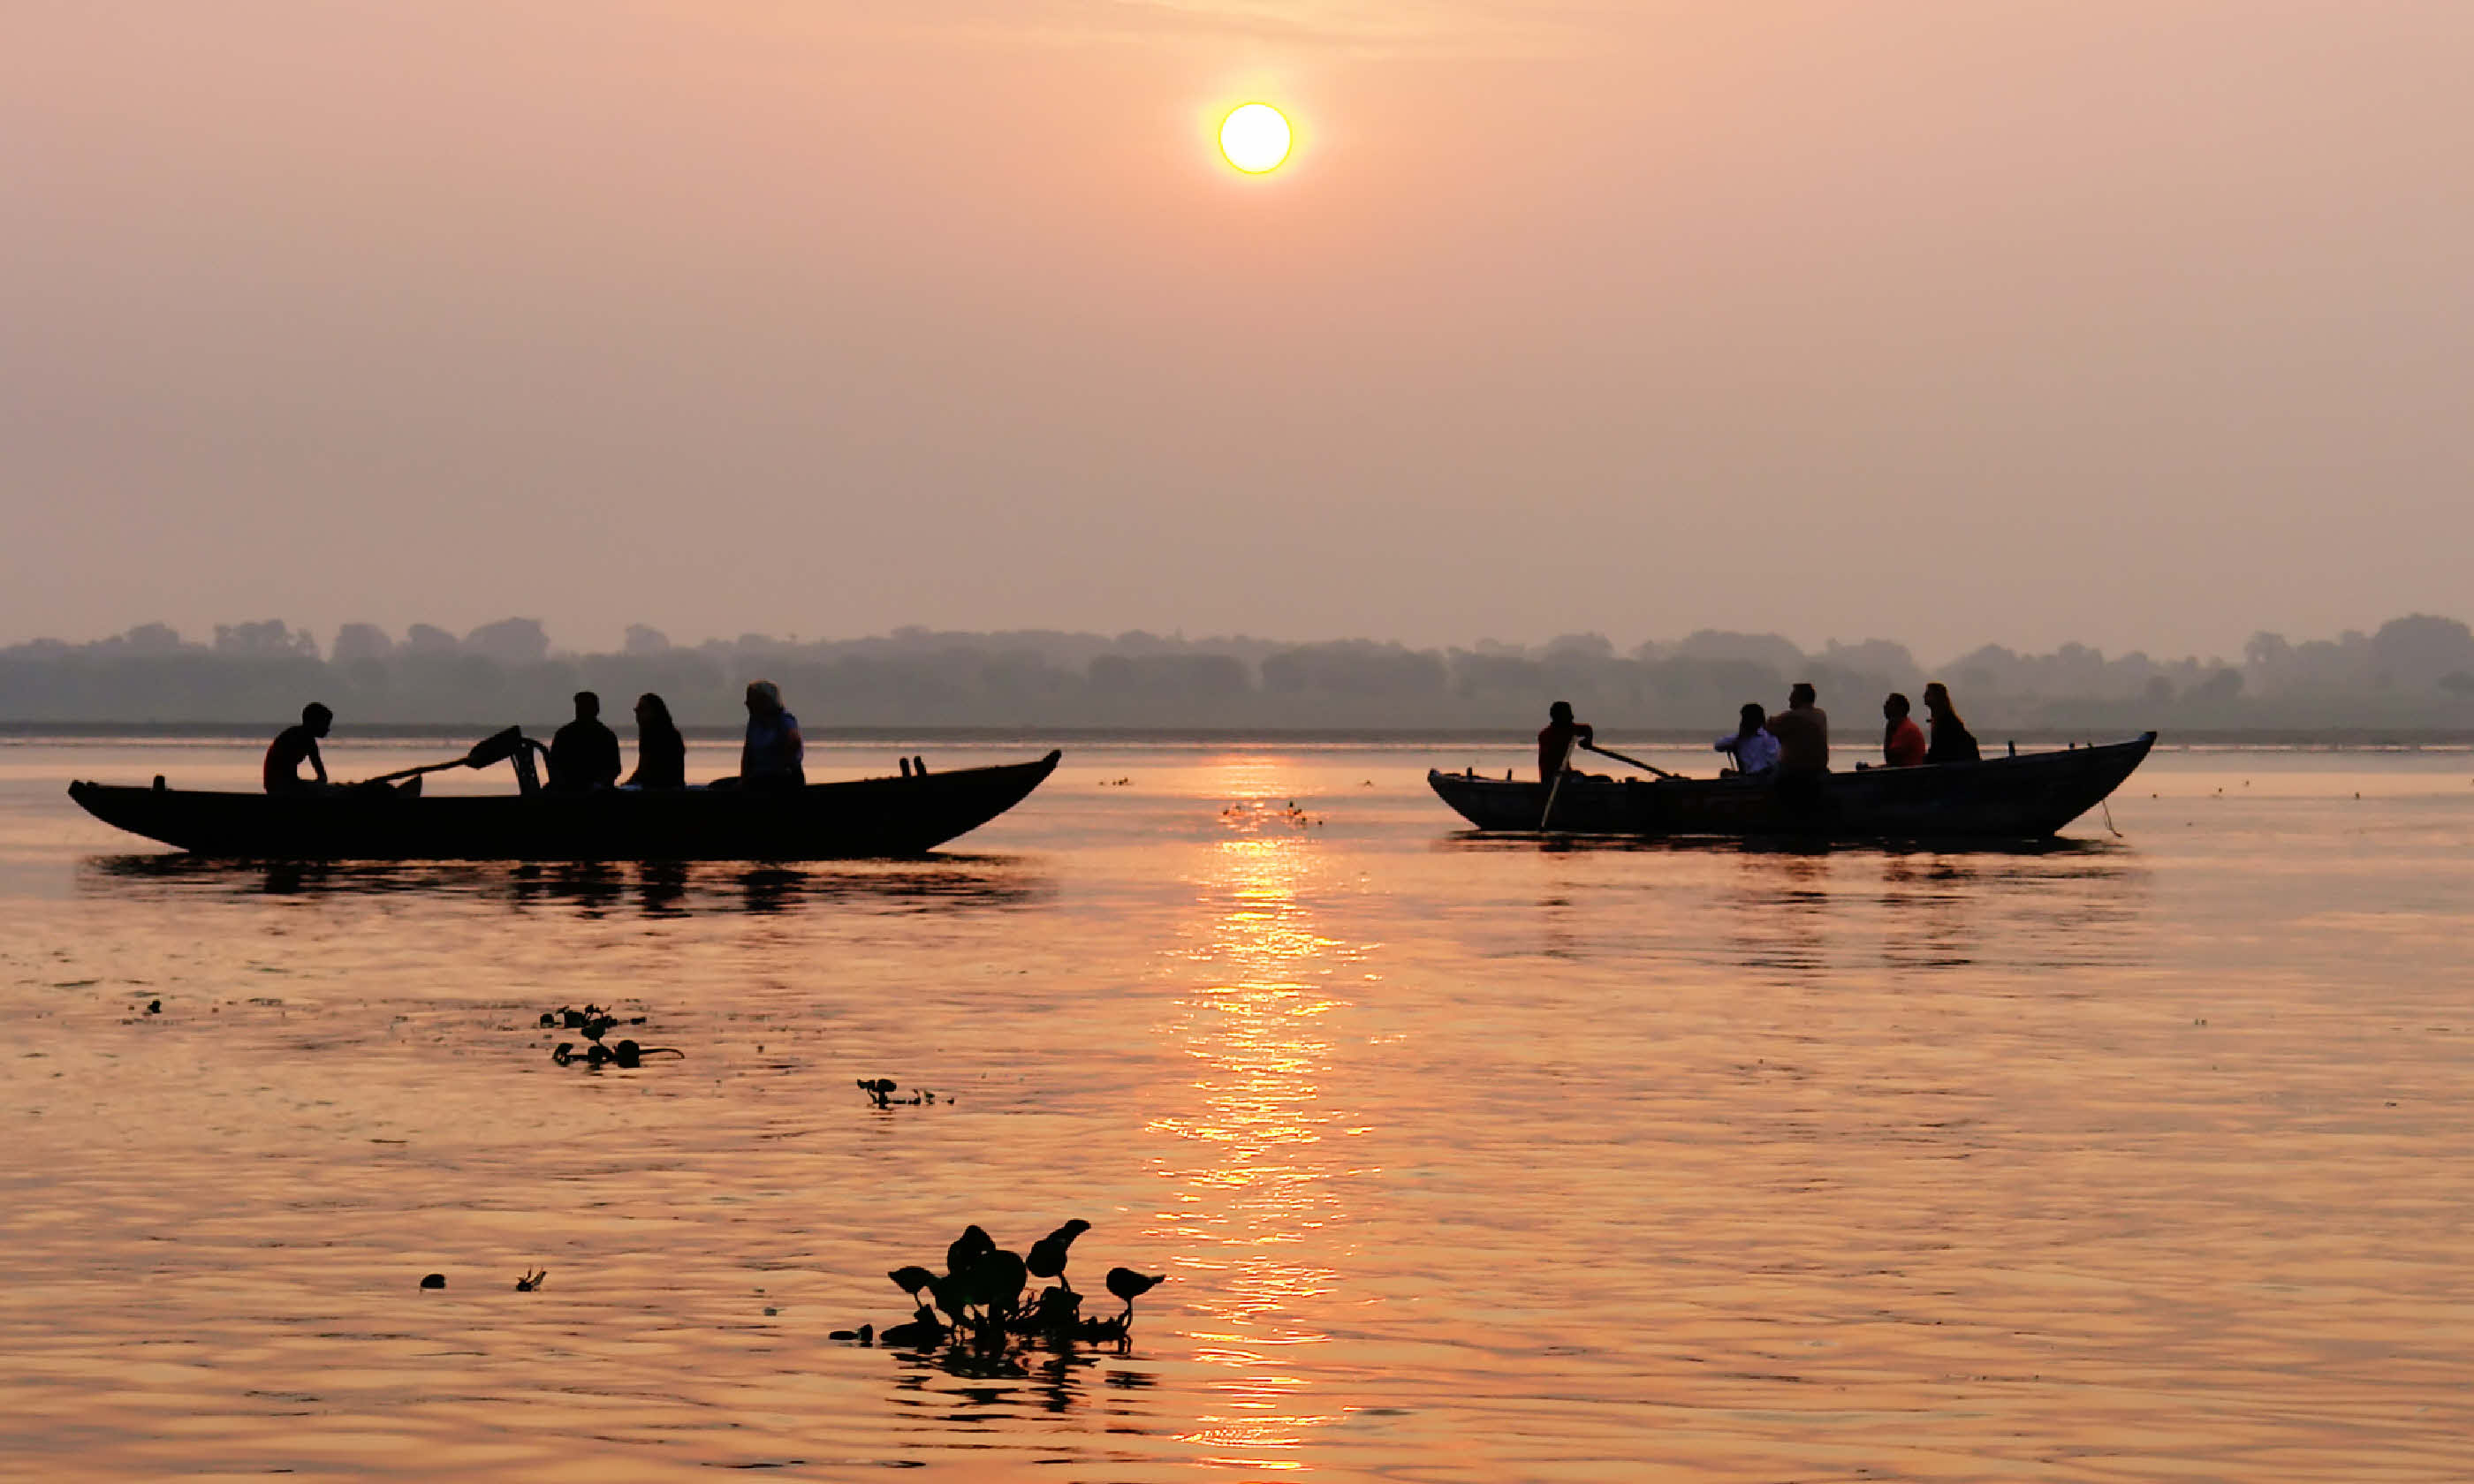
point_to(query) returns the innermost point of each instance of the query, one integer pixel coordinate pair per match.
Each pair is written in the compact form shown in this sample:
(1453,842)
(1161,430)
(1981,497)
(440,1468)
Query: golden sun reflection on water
(1261,1154)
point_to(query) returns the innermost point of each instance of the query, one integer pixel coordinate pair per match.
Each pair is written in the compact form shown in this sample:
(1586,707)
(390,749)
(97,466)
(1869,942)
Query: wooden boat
(2028,797)
(866,817)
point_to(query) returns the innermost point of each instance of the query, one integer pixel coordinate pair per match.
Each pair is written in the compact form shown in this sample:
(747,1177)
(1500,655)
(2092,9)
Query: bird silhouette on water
(1128,1284)
(1048,1254)
(966,1249)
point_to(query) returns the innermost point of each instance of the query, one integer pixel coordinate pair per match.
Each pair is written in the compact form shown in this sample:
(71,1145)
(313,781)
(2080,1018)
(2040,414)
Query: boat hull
(862,818)
(2022,798)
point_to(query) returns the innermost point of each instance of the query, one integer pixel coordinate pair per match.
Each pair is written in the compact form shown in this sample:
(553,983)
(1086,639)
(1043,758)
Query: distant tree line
(2414,673)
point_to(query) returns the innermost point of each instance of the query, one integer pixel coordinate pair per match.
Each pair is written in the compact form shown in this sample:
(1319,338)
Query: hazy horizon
(2138,326)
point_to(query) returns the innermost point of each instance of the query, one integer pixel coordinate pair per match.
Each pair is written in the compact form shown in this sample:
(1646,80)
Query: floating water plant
(626,1054)
(593,1021)
(880,1090)
(597,1022)
(979,1303)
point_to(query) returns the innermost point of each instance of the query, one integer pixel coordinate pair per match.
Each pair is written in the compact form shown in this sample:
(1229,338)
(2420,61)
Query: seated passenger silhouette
(660,752)
(584,754)
(774,755)
(1952,741)
(1754,748)
(295,745)
(1903,741)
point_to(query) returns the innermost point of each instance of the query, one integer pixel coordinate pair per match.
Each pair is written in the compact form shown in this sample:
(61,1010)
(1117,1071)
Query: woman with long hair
(1952,741)
(660,752)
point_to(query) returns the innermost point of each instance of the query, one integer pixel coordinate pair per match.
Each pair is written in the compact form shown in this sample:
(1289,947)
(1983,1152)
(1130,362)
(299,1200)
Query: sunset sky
(2135,322)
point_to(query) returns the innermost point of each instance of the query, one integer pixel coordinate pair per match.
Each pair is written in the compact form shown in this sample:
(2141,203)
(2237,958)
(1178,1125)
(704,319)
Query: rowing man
(294,746)
(1557,740)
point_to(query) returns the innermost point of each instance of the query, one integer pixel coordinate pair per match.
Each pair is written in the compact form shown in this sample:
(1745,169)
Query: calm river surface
(2136,1158)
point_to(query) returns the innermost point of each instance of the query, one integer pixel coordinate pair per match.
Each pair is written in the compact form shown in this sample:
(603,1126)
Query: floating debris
(433,1280)
(154,1007)
(1254,815)
(531,1281)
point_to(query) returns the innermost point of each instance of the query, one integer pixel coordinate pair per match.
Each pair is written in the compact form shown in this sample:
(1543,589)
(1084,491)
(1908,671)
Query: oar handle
(411,773)
(1608,752)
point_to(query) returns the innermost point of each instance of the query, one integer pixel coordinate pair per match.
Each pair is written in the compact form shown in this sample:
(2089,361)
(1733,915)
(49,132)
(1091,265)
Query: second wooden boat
(2028,797)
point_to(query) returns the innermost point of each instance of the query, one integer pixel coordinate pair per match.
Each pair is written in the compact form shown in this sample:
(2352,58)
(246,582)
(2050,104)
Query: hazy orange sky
(2141,324)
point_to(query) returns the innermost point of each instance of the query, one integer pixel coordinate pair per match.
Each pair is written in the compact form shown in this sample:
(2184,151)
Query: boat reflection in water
(590,889)
(1258,1156)
(1808,912)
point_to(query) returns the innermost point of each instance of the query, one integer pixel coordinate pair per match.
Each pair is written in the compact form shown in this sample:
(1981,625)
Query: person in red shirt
(1903,741)
(1557,740)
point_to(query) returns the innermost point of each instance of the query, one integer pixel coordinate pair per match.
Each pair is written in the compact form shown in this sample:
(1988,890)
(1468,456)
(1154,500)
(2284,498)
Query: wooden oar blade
(495,747)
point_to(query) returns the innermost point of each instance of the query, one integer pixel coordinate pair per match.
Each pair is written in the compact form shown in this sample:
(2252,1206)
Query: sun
(1255,137)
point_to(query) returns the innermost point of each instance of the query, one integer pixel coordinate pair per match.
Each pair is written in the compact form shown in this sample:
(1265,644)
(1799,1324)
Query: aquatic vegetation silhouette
(593,1021)
(597,1022)
(980,1305)
(880,1091)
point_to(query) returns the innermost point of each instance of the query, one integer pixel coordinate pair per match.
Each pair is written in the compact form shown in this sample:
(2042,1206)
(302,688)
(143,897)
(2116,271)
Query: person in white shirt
(1754,749)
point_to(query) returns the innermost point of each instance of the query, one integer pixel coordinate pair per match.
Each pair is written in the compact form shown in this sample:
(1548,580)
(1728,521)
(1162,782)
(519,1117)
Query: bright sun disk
(1255,137)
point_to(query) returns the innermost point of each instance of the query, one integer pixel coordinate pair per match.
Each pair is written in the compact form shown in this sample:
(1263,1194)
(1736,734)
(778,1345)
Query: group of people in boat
(584,754)
(1793,744)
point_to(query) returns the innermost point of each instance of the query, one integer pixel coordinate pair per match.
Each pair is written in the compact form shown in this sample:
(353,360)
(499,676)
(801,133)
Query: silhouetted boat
(2028,797)
(868,817)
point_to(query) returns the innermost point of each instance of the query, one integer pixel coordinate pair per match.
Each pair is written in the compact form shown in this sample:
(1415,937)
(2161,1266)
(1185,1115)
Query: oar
(495,747)
(1562,766)
(1610,751)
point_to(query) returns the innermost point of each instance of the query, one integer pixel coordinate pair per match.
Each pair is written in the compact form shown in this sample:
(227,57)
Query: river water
(2137,1158)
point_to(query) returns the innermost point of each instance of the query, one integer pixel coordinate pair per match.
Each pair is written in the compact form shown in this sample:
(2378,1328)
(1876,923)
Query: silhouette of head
(1753,717)
(1937,700)
(652,711)
(317,718)
(1559,711)
(764,698)
(588,706)
(1895,705)
(1802,694)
